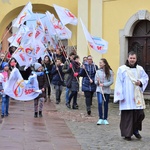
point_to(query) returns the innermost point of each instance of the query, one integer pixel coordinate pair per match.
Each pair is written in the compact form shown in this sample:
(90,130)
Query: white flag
(95,43)
(61,31)
(24,15)
(15,39)
(21,56)
(39,29)
(39,49)
(19,89)
(65,15)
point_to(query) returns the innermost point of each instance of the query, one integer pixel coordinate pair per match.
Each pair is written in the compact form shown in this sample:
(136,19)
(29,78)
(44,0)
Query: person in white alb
(130,84)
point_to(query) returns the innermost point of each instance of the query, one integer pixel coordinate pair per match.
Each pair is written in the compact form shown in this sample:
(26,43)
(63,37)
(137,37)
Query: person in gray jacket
(103,80)
(65,71)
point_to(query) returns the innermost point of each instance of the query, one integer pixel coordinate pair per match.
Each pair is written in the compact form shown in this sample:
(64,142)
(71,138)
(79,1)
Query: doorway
(140,43)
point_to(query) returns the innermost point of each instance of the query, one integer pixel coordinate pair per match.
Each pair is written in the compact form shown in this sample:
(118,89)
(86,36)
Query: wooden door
(141,45)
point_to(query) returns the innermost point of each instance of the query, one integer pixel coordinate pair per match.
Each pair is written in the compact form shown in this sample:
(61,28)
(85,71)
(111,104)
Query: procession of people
(52,66)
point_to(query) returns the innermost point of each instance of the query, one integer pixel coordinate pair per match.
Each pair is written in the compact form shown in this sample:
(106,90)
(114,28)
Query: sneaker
(2,116)
(100,121)
(106,122)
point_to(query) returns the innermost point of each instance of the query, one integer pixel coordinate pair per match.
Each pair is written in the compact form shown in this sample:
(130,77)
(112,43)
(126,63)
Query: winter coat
(56,80)
(75,80)
(65,70)
(43,83)
(61,57)
(91,71)
(106,82)
(48,69)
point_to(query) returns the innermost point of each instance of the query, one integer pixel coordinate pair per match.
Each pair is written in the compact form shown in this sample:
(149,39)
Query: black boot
(89,112)
(40,114)
(35,115)
(74,107)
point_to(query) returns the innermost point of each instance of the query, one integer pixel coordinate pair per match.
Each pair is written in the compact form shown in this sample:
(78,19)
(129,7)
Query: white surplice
(124,88)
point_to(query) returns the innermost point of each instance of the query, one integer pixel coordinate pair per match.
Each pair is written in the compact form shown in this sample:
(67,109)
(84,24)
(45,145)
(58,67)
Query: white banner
(24,15)
(65,15)
(96,43)
(19,89)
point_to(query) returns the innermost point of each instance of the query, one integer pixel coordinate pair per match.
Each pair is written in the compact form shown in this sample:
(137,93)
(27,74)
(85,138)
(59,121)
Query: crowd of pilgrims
(60,71)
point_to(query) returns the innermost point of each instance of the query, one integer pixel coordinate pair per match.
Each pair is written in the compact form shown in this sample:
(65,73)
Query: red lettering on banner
(28,91)
(22,57)
(91,45)
(22,17)
(37,34)
(99,47)
(19,40)
(30,34)
(37,49)
(69,14)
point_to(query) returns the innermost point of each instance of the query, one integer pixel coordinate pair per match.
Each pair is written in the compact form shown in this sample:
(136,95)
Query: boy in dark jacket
(42,80)
(58,79)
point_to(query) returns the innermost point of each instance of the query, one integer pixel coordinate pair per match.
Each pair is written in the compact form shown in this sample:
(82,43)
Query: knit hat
(37,66)
(4,64)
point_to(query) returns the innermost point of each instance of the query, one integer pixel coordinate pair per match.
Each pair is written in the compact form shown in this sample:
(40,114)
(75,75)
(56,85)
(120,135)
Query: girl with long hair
(103,80)
(47,64)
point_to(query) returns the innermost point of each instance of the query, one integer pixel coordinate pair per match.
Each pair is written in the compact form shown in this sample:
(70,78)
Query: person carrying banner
(48,64)
(73,81)
(60,55)
(5,98)
(58,79)
(88,72)
(131,81)
(43,84)
(65,69)
(103,80)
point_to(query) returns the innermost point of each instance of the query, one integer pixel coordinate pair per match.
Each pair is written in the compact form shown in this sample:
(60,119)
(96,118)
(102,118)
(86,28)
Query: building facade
(125,24)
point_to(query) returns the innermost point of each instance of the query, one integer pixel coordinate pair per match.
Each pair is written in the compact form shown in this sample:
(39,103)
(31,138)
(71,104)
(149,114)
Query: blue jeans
(5,104)
(67,95)
(100,103)
(73,95)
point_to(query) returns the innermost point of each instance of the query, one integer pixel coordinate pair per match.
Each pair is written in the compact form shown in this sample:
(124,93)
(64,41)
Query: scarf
(38,73)
(139,98)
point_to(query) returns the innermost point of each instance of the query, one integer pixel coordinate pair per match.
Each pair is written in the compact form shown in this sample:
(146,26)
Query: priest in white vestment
(130,84)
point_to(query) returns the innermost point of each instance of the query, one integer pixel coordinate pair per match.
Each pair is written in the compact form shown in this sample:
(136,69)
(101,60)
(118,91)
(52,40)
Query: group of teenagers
(60,71)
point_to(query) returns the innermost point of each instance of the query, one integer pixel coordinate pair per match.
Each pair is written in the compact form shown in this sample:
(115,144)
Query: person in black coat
(88,72)
(47,64)
(73,78)
(60,55)
(58,79)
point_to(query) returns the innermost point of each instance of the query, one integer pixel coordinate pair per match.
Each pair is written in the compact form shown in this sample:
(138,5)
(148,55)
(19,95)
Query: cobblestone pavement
(103,137)
(66,129)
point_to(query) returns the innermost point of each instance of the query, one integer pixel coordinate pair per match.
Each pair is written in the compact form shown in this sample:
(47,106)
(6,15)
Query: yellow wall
(103,18)
(115,16)
(10,11)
